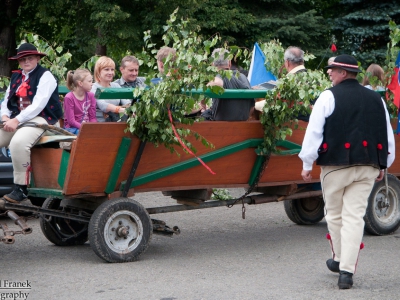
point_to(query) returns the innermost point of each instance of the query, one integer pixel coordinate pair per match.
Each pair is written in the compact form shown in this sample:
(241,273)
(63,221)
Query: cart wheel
(306,211)
(383,218)
(60,231)
(120,230)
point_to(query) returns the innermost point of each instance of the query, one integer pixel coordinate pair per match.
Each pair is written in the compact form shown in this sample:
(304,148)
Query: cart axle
(256,199)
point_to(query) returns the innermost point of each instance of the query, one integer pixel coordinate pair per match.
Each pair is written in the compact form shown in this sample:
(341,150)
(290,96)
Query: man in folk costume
(32,96)
(350,137)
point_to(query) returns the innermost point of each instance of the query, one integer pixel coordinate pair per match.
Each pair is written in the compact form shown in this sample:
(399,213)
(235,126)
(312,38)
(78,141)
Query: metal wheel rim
(386,215)
(131,222)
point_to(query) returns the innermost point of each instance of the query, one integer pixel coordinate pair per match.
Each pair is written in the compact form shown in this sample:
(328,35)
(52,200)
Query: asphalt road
(218,255)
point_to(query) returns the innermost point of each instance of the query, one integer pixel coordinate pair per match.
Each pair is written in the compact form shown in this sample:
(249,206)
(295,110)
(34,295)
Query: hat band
(344,65)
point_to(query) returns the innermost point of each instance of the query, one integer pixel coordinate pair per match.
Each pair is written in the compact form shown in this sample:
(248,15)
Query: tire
(120,230)
(62,232)
(306,211)
(381,220)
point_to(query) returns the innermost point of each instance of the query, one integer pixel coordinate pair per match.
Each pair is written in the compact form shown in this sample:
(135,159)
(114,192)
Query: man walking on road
(350,137)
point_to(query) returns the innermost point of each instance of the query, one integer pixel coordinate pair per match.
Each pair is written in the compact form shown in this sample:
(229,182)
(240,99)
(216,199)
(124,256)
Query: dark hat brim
(346,67)
(27,53)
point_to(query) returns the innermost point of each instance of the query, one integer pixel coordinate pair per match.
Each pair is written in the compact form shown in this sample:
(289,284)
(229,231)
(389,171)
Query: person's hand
(4,118)
(306,174)
(380,176)
(10,125)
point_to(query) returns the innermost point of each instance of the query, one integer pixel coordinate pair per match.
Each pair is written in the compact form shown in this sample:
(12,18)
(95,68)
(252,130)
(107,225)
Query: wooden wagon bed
(101,158)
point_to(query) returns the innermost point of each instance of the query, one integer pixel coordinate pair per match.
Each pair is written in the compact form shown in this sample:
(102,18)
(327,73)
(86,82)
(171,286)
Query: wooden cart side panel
(97,145)
(395,167)
(93,157)
(45,167)
(231,169)
(94,152)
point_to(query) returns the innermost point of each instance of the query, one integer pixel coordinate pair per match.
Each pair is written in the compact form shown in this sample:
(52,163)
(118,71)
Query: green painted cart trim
(190,163)
(119,162)
(31,181)
(127,93)
(63,90)
(230,93)
(62,173)
(46,193)
(256,169)
(293,148)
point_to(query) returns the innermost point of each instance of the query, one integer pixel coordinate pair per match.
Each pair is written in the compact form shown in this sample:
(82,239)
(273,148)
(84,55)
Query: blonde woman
(108,110)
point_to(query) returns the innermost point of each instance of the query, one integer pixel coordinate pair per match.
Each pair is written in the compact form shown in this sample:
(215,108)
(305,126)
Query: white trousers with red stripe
(20,143)
(346,190)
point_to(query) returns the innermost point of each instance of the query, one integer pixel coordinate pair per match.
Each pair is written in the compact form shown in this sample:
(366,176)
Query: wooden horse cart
(92,188)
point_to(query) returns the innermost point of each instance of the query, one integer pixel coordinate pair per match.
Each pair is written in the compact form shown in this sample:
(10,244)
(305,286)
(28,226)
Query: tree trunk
(100,49)
(7,35)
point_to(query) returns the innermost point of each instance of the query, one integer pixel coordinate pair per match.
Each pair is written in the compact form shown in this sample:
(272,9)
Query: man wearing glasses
(32,96)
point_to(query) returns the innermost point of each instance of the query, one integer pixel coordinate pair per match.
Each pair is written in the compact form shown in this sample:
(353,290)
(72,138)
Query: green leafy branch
(190,69)
(293,95)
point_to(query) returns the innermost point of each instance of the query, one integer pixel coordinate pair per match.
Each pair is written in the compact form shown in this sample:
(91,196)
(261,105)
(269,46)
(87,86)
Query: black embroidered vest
(53,109)
(356,132)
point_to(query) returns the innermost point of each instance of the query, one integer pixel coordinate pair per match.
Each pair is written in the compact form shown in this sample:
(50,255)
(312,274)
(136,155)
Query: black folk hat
(345,62)
(25,50)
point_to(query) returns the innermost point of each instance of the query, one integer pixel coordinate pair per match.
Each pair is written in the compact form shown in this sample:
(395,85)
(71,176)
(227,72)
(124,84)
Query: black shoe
(18,194)
(333,265)
(345,280)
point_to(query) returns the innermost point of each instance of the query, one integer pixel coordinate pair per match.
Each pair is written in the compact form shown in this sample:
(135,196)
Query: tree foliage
(362,28)
(117,26)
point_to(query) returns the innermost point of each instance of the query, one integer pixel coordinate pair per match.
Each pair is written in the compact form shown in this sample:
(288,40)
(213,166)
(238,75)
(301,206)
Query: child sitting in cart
(80,103)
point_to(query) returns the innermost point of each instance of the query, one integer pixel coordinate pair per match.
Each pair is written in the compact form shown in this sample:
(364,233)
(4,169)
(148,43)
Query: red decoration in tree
(361,245)
(365,144)
(333,48)
(328,236)
(325,145)
(379,146)
(347,145)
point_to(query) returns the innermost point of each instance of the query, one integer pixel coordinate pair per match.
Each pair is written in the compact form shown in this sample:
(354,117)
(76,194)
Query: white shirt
(322,109)
(47,85)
